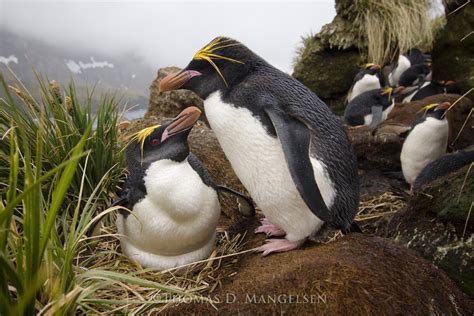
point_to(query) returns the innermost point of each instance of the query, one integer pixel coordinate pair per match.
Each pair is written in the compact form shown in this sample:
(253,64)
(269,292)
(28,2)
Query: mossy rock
(453,51)
(437,225)
(327,72)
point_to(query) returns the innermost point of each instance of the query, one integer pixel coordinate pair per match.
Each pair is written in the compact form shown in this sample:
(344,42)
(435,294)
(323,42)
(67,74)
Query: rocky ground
(392,265)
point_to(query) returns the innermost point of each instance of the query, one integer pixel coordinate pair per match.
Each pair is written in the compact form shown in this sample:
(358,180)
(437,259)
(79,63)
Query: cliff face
(453,51)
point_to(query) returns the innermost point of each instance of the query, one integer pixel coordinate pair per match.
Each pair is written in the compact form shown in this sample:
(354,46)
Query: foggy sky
(169,33)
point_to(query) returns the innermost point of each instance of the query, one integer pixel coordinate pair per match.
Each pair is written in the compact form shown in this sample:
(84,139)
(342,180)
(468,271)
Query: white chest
(394,76)
(258,160)
(425,143)
(367,83)
(178,215)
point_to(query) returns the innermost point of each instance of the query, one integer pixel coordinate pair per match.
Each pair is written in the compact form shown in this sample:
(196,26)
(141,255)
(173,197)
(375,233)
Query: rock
(170,103)
(328,72)
(437,225)
(329,60)
(375,151)
(203,143)
(356,274)
(453,51)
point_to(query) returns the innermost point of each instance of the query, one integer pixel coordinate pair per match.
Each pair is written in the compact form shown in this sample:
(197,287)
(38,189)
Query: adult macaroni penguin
(285,145)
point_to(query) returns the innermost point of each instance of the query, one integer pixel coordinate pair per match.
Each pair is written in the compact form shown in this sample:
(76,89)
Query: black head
(371,69)
(219,65)
(436,110)
(167,141)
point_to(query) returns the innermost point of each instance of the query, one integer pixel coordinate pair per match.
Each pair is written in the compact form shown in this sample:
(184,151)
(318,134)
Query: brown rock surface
(355,275)
(170,103)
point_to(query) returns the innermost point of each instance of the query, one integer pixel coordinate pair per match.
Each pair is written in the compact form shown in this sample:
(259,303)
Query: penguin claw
(278,245)
(269,229)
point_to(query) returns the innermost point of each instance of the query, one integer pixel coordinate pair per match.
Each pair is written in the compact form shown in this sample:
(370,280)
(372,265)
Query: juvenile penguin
(285,145)
(367,79)
(370,108)
(427,141)
(174,206)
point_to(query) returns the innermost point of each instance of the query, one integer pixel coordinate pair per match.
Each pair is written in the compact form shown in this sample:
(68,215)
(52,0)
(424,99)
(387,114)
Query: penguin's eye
(154,142)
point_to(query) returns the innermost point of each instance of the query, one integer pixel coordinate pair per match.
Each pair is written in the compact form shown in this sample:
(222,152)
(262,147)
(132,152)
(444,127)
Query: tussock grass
(392,27)
(60,164)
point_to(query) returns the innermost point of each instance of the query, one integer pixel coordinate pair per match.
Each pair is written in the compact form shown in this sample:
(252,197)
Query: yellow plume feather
(428,107)
(387,91)
(207,53)
(141,136)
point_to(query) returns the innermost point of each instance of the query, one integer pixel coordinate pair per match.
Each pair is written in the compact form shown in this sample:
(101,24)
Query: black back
(432,89)
(443,166)
(256,85)
(414,75)
(362,105)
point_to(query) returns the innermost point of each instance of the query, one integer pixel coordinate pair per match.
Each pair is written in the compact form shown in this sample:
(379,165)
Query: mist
(168,33)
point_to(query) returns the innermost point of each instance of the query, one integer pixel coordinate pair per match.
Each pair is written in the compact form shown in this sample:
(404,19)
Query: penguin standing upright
(427,141)
(174,204)
(367,79)
(413,57)
(370,108)
(285,145)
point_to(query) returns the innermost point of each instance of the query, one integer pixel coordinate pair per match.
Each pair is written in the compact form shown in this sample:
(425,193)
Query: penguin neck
(178,152)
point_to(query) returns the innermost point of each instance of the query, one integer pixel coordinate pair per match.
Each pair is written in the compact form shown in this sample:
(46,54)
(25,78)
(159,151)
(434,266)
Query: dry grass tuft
(197,280)
(375,213)
(391,27)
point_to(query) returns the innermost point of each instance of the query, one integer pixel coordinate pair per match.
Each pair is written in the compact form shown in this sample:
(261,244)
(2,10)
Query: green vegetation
(59,167)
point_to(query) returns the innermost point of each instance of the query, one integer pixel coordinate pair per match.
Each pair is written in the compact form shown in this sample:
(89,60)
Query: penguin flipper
(377,116)
(246,206)
(295,140)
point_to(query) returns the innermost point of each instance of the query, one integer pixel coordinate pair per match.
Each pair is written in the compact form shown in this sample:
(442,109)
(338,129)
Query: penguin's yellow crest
(368,65)
(141,136)
(387,91)
(207,53)
(428,107)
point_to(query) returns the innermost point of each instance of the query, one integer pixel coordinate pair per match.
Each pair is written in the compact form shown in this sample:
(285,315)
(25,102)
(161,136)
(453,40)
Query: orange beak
(443,106)
(184,121)
(177,80)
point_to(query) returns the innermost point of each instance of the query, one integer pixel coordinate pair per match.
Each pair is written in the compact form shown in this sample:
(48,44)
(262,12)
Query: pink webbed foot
(269,229)
(279,245)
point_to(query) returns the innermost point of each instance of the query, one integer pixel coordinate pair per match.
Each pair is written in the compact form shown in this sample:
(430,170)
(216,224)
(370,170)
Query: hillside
(125,75)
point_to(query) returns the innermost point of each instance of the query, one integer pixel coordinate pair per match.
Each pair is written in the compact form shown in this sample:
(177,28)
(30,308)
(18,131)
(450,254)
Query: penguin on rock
(367,79)
(370,108)
(173,203)
(426,89)
(286,146)
(426,141)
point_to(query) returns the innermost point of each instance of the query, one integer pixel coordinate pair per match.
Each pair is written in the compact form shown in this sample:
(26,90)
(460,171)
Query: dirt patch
(353,275)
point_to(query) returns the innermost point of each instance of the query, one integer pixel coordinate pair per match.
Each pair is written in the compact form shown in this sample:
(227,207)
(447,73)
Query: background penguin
(414,76)
(367,79)
(285,145)
(174,204)
(370,108)
(443,166)
(426,141)
(428,88)
(413,57)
